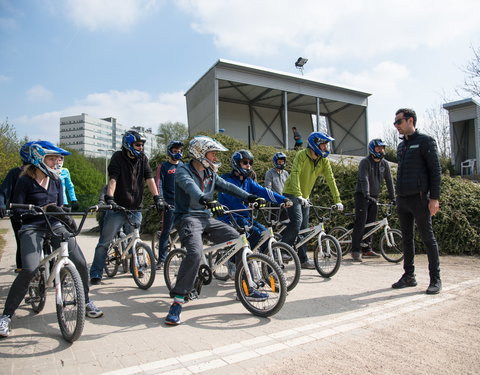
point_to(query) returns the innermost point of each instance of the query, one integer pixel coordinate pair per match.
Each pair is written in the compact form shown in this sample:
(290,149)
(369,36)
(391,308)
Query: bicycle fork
(56,271)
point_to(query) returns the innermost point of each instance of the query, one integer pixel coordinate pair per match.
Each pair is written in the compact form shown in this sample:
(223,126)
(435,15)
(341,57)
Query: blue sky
(134,59)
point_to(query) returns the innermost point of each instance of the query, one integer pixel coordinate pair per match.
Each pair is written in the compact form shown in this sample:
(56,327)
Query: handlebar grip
(103,207)
(22,206)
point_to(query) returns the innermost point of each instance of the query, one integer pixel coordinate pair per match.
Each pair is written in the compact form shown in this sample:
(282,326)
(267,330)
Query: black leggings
(31,240)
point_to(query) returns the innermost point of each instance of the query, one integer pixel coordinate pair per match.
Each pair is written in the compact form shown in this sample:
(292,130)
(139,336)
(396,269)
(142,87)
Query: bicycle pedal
(191,296)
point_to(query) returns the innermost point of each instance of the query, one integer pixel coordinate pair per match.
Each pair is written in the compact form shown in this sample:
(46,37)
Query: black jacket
(130,175)
(371,175)
(418,166)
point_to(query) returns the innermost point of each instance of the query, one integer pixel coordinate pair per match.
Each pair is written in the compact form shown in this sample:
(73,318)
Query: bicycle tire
(112,261)
(344,238)
(291,269)
(71,310)
(172,265)
(328,259)
(270,281)
(393,254)
(37,290)
(221,273)
(144,272)
(156,244)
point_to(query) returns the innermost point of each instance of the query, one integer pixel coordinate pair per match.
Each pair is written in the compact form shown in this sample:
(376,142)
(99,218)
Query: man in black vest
(418,194)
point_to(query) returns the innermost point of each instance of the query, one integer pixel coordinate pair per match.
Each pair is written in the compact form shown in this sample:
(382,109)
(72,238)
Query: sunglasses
(399,121)
(139,144)
(245,162)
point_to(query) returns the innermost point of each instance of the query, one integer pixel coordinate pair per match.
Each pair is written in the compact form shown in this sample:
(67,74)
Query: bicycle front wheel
(394,252)
(172,266)
(289,263)
(71,309)
(327,256)
(143,265)
(267,294)
(112,262)
(344,238)
(37,290)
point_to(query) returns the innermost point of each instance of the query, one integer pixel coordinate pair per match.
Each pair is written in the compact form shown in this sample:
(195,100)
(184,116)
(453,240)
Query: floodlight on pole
(106,162)
(301,61)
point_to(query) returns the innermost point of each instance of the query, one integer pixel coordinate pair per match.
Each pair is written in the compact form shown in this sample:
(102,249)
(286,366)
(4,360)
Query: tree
(471,83)
(170,131)
(9,148)
(438,127)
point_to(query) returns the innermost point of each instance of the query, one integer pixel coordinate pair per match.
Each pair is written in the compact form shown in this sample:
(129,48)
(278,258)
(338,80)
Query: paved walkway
(218,335)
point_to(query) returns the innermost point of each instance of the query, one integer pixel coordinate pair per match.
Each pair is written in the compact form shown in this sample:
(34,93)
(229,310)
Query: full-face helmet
(37,151)
(129,138)
(236,164)
(198,148)
(371,148)
(279,156)
(174,144)
(315,139)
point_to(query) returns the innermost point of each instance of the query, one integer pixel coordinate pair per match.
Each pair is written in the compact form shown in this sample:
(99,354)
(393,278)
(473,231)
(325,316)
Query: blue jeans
(163,241)
(299,217)
(112,223)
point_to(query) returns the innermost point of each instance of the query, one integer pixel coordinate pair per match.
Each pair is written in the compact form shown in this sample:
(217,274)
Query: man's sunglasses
(245,162)
(139,144)
(399,121)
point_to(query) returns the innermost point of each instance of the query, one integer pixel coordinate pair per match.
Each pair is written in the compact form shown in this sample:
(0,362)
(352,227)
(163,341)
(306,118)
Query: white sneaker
(92,311)
(5,326)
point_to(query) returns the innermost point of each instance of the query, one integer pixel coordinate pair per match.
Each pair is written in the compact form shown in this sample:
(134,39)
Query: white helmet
(198,148)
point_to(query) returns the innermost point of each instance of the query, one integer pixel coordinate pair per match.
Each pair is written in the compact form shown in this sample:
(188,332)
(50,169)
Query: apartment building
(96,137)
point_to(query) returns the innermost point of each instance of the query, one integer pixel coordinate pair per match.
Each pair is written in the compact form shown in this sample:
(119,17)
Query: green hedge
(456,226)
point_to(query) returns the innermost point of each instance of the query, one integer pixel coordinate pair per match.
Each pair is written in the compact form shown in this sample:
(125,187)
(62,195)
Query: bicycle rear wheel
(112,262)
(344,238)
(143,265)
(268,294)
(289,264)
(172,265)
(71,309)
(327,256)
(37,291)
(393,253)
(155,244)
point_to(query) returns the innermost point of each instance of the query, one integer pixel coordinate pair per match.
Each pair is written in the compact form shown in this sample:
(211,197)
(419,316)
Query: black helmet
(174,144)
(237,157)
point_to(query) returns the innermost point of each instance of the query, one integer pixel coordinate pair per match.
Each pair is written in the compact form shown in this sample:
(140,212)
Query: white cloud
(133,107)
(4,78)
(326,31)
(39,93)
(109,14)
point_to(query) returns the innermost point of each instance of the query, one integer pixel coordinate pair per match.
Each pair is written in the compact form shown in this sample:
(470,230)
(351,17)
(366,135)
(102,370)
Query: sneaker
(256,296)
(92,311)
(435,286)
(173,317)
(370,254)
(286,257)
(356,256)
(308,265)
(405,281)
(5,326)
(232,269)
(159,266)
(95,280)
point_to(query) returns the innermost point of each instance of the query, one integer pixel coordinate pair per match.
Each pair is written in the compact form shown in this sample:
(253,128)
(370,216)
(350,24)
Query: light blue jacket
(67,186)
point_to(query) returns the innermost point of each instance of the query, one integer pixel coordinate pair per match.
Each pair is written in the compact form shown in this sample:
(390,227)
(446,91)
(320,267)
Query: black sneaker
(95,280)
(405,281)
(435,286)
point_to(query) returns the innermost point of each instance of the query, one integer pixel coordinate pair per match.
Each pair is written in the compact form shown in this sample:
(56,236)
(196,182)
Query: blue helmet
(371,148)
(282,156)
(129,138)
(174,144)
(237,157)
(315,139)
(35,153)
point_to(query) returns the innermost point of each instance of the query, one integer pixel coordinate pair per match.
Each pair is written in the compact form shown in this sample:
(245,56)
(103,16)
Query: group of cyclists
(184,192)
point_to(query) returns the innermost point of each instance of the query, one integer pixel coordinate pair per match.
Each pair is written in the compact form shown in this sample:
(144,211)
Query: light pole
(106,162)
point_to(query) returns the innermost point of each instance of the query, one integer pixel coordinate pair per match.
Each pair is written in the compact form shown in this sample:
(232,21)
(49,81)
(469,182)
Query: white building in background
(95,137)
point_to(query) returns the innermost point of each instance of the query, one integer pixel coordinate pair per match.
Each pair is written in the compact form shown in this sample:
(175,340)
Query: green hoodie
(304,173)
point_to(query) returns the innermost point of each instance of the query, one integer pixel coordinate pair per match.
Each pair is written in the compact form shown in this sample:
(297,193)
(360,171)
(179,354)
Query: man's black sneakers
(405,281)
